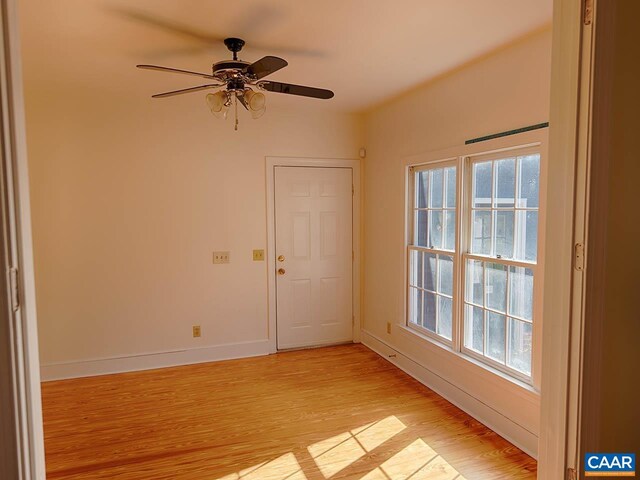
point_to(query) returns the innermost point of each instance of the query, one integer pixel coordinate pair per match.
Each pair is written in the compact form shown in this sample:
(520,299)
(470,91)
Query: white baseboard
(503,426)
(148,361)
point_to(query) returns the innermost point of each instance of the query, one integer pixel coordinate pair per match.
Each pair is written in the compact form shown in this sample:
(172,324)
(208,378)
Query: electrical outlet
(258,255)
(388,327)
(197,331)
(221,257)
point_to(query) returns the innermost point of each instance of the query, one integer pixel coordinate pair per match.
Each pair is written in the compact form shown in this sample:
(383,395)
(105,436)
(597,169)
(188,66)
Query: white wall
(502,91)
(130,197)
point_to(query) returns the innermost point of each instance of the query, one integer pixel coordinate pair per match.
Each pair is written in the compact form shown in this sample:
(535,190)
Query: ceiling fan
(241,82)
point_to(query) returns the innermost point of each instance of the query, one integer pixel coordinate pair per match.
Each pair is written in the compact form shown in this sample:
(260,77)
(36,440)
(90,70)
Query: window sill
(416,335)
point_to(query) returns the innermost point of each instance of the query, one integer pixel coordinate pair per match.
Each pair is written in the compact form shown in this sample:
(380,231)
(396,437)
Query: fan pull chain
(236,105)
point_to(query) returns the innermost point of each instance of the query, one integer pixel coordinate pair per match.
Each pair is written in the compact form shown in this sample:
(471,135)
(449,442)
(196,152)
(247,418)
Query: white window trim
(460,156)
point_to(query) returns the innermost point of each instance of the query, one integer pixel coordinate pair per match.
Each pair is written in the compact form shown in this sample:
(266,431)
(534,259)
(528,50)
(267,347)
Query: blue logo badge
(610,465)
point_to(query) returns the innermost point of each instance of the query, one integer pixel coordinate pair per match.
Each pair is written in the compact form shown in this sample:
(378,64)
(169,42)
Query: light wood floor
(339,413)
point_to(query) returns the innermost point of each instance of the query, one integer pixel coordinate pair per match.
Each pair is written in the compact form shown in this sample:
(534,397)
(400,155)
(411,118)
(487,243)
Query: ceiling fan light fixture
(219,103)
(256,103)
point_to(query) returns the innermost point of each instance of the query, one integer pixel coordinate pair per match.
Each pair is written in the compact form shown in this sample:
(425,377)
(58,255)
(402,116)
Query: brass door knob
(281,258)
(281,271)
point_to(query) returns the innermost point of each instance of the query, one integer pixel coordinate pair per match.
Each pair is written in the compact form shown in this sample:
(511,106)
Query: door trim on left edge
(271,163)
(21,413)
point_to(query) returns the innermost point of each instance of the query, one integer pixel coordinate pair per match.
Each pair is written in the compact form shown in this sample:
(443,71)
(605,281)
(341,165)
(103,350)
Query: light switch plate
(197,331)
(258,255)
(221,257)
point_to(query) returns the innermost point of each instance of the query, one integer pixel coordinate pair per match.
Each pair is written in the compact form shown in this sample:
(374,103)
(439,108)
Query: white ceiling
(364,50)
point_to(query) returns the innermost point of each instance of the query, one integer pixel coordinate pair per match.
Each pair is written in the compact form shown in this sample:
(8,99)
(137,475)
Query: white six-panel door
(313,248)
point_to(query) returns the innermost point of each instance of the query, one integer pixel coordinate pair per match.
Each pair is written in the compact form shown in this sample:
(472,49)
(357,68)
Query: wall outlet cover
(197,331)
(258,255)
(221,257)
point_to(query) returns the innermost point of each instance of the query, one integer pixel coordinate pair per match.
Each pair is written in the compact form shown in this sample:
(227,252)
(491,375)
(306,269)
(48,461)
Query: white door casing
(21,433)
(313,250)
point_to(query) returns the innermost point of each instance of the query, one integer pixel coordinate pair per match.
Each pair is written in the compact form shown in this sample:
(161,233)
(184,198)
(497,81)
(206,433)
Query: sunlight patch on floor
(281,468)
(337,453)
(417,461)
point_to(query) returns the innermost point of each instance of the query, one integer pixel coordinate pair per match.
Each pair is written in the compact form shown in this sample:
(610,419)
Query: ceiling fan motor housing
(229,65)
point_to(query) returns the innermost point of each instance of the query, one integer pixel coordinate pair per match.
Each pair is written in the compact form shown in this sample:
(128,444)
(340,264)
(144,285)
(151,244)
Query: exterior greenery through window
(486,235)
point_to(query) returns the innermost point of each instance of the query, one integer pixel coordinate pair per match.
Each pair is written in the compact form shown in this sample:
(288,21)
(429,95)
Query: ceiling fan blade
(168,25)
(301,90)
(175,70)
(265,66)
(184,90)
(248,27)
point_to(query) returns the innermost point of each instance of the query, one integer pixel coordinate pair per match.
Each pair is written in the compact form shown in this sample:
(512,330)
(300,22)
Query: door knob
(281,271)
(281,258)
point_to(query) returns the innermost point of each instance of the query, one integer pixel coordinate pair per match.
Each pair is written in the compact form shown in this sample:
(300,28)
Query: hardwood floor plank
(338,412)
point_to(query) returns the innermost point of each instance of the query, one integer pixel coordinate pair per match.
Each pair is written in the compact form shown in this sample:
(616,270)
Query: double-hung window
(431,252)
(472,256)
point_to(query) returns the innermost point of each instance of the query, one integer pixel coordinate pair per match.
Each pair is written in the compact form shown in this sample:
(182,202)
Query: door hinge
(572,474)
(353,256)
(15,291)
(353,189)
(588,12)
(578,257)
(353,320)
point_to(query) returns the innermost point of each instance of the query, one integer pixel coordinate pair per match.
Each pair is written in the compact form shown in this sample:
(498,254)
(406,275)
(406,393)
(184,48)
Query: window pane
(420,235)
(429,272)
(527,230)
(415,267)
(496,286)
(450,199)
(520,339)
(473,328)
(435,229)
(450,230)
(481,232)
(445,272)
(504,233)
(415,305)
(444,317)
(505,183)
(495,336)
(521,292)
(437,177)
(422,189)
(482,184)
(529,182)
(429,311)
(475,283)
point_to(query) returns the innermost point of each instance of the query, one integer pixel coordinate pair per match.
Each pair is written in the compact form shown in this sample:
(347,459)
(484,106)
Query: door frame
(354,165)
(568,177)
(21,430)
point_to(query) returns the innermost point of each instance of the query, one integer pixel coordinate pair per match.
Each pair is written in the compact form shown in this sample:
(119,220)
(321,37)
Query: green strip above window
(506,134)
